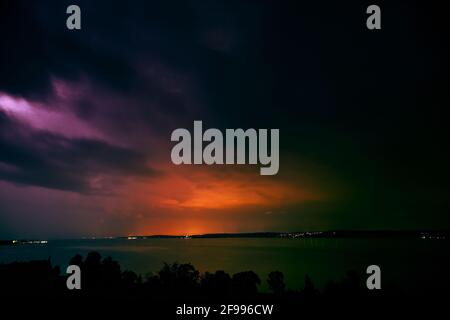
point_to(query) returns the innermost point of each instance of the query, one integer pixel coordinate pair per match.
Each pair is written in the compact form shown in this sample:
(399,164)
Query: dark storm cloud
(143,59)
(36,45)
(141,50)
(186,35)
(138,58)
(43,159)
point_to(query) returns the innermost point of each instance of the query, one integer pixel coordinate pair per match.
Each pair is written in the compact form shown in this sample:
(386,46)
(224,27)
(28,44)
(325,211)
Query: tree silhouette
(216,284)
(309,290)
(245,283)
(275,281)
(179,278)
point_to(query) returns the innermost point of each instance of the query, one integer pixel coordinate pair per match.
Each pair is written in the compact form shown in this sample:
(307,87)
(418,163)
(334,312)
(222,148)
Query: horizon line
(310,233)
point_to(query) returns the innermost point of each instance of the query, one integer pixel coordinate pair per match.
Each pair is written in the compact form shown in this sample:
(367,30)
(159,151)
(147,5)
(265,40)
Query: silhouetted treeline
(108,291)
(105,278)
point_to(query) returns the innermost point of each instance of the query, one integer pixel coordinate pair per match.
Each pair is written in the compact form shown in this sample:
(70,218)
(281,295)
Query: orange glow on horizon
(207,199)
(202,188)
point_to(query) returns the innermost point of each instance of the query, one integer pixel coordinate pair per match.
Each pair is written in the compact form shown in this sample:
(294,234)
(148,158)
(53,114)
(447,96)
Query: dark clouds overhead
(51,161)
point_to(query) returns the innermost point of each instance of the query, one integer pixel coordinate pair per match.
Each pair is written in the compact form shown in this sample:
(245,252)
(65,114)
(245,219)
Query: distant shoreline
(355,234)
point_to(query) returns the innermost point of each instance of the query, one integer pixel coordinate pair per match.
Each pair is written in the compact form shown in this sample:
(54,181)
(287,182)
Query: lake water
(407,264)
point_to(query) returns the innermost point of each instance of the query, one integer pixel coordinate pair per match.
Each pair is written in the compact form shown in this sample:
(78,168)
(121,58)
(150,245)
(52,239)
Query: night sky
(86,116)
